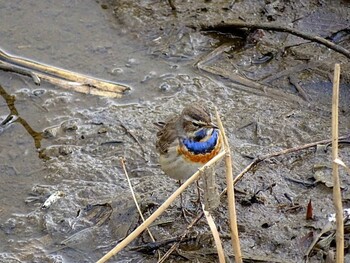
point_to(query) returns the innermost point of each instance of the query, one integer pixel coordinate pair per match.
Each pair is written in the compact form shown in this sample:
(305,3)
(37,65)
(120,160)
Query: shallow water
(76,35)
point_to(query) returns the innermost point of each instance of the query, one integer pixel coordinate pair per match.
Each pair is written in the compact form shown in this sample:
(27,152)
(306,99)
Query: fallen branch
(61,77)
(294,81)
(278,28)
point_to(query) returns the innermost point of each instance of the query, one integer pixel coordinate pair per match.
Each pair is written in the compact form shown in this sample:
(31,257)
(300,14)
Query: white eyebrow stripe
(189,118)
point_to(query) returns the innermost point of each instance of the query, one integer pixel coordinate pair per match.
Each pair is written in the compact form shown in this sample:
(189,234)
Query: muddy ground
(70,144)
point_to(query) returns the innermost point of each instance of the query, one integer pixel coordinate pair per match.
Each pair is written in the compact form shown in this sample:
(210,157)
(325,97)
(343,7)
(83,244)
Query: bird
(187,141)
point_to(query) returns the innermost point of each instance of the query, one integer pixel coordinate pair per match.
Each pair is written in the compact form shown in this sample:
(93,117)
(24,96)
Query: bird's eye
(195,124)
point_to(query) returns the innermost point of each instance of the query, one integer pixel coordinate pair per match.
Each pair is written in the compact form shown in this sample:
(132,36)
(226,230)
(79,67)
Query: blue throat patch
(201,147)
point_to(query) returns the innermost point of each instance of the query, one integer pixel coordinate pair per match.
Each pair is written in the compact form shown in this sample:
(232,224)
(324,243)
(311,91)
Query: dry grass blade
(230,194)
(216,235)
(336,182)
(160,210)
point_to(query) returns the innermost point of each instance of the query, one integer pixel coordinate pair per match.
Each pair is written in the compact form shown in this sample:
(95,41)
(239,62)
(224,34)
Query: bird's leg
(184,211)
(198,192)
(198,200)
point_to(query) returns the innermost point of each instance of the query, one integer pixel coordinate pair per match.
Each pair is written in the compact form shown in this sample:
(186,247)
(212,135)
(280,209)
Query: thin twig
(290,70)
(122,161)
(23,71)
(279,28)
(230,194)
(252,86)
(336,182)
(134,137)
(184,234)
(328,227)
(294,81)
(160,210)
(275,154)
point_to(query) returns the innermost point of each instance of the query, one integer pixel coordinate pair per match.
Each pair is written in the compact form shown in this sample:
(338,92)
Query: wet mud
(64,196)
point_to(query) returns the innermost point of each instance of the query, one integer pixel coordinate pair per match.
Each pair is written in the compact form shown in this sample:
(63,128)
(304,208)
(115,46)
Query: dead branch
(279,153)
(61,77)
(252,86)
(278,28)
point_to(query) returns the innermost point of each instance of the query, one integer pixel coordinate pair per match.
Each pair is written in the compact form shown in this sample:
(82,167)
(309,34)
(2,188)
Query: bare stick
(251,86)
(160,210)
(23,71)
(294,81)
(134,137)
(279,28)
(275,154)
(328,227)
(336,182)
(184,234)
(215,234)
(58,76)
(230,194)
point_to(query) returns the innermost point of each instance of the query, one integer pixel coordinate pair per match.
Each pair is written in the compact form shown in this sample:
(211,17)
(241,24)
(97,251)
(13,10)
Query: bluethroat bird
(187,141)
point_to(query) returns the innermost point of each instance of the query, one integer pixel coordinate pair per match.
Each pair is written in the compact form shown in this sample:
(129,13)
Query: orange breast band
(199,158)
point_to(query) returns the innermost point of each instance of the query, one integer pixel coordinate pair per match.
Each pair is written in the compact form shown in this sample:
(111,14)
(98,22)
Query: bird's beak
(212,125)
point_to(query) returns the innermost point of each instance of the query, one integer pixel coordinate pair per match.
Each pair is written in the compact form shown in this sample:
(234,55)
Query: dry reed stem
(230,194)
(159,211)
(336,182)
(215,234)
